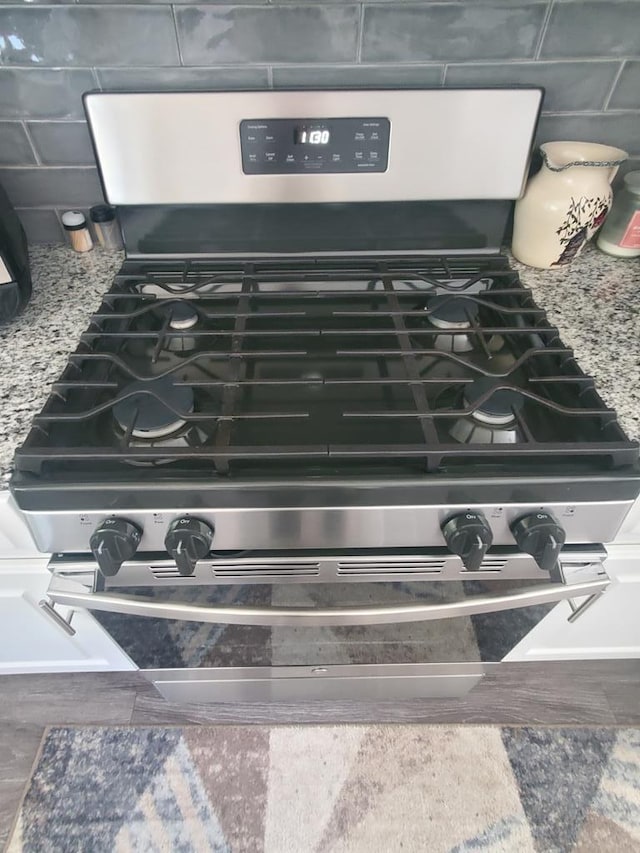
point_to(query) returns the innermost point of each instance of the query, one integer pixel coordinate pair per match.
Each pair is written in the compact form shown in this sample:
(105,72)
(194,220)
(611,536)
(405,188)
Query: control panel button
(187,541)
(469,536)
(113,542)
(540,535)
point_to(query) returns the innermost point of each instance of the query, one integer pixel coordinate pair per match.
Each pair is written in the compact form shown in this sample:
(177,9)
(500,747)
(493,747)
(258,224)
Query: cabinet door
(31,642)
(630,530)
(15,537)
(608,629)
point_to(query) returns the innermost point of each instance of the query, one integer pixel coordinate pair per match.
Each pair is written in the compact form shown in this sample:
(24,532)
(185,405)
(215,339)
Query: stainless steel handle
(323,616)
(56,618)
(578,609)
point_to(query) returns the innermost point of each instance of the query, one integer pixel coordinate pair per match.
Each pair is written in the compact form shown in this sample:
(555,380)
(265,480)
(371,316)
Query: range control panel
(283,146)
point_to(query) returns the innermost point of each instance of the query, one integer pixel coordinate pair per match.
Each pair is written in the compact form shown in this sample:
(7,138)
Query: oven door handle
(69,592)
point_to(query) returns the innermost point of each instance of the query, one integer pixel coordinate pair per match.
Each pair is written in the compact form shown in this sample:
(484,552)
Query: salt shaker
(620,234)
(75,224)
(105,226)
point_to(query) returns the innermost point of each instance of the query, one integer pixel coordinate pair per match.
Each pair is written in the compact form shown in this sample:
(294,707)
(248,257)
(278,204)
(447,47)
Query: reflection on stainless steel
(362,682)
(69,592)
(277,518)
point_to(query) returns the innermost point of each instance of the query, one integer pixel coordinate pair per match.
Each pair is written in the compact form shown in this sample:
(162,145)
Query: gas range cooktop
(320,367)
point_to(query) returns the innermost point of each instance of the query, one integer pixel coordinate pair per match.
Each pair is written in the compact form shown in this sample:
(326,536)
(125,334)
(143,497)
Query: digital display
(307,145)
(312,136)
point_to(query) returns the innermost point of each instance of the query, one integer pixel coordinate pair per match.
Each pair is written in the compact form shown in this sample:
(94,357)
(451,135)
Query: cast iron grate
(322,365)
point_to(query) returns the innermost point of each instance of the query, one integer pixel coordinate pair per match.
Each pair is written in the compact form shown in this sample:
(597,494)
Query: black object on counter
(15,276)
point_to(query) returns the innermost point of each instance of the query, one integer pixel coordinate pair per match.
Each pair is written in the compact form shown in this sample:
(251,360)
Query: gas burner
(454,313)
(451,313)
(494,421)
(183,317)
(146,408)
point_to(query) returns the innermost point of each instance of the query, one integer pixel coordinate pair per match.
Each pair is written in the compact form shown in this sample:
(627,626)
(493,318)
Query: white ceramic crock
(565,202)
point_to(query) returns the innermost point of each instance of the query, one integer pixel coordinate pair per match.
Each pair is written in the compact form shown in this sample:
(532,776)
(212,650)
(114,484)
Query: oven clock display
(314,145)
(311,136)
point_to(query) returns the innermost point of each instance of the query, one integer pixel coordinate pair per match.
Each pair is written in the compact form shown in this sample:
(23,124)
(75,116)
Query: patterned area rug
(335,789)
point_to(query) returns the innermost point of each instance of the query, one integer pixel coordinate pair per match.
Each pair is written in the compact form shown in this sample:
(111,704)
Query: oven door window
(159,643)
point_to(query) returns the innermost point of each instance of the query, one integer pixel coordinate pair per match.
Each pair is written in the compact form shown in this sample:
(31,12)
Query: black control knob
(113,542)
(540,535)
(187,541)
(469,536)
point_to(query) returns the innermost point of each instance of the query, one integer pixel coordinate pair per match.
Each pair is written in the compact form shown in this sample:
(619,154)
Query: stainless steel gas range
(319,441)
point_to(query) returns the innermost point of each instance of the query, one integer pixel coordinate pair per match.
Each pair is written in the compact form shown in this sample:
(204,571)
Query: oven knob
(113,542)
(187,541)
(540,535)
(469,536)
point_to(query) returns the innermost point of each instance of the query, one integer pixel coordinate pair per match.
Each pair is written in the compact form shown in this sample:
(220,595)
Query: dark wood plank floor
(550,693)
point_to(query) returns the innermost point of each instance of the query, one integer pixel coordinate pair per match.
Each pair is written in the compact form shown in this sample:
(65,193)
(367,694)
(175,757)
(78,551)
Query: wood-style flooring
(550,693)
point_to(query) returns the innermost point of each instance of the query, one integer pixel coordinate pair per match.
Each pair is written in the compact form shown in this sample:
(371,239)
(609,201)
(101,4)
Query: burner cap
(150,415)
(499,409)
(452,312)
(183,316)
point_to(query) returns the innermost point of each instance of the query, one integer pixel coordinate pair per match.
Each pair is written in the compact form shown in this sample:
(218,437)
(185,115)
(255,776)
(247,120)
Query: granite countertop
(595,304)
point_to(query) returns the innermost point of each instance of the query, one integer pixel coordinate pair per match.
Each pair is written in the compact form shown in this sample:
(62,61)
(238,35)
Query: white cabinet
(630,530)
(29,640)
(15,538)
(609,629)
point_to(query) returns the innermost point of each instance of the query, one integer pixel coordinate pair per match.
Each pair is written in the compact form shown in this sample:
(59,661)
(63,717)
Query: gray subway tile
(398,33)
(568,85)
(595,28)
(133,79)
(37,3)
(496,3)
(62,143)
(41,226)
(14,145)
(43,92)
(210,34)
(88,35)
(339,76)
(620,129)
(626,95)
(44,186)
(177,2)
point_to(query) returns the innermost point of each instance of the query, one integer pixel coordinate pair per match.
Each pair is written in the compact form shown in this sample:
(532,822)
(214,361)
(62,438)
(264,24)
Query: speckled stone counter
(595,303)
(67,288)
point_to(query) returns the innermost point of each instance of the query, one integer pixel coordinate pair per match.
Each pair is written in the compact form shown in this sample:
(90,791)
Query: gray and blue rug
(333,789)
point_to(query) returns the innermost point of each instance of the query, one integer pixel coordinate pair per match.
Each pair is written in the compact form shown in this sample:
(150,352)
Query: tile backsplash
(586,53)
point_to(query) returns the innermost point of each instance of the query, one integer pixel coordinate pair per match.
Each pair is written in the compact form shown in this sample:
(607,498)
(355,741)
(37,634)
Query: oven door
(372,625)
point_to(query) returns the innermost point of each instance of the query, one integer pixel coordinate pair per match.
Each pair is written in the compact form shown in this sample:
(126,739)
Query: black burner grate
(322,365)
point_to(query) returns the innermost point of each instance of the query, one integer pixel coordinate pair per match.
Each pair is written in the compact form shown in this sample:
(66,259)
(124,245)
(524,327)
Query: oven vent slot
(492,564)
(285,569)
(389,567)
(165,572)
